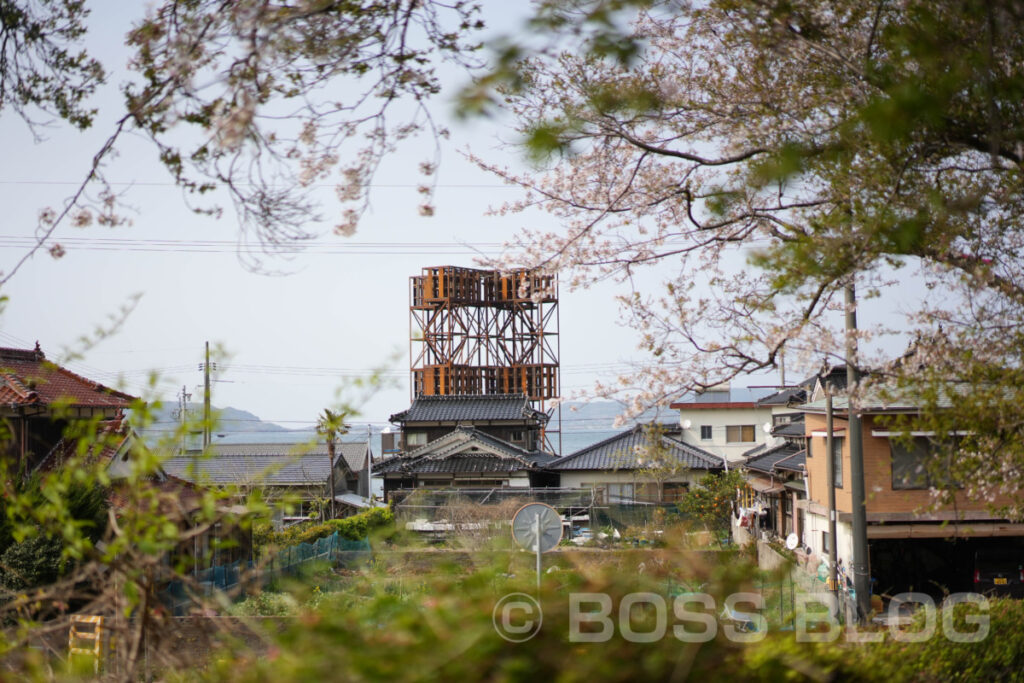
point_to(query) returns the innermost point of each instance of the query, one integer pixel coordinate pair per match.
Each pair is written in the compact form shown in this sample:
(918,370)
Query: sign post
(537,527)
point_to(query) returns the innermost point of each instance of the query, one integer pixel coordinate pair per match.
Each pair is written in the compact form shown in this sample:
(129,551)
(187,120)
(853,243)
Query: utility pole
(369,461)
(830,479)
(861,573)
(183,416)
(207,437)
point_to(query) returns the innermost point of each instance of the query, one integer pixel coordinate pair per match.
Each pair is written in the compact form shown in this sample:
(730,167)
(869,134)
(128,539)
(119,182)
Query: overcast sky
(341,310)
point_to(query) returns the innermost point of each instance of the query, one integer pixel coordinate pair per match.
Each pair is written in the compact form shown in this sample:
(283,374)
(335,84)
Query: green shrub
(998,657)
(353,528)
(88,505)
(266,604)
(36,561)
(711,502)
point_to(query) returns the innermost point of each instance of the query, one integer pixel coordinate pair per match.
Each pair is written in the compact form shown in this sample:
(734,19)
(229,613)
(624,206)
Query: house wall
(815,524)
(529,431)
(719,419)
(817,482)
(882,499)
(356,481)
(519,479)
(578,479)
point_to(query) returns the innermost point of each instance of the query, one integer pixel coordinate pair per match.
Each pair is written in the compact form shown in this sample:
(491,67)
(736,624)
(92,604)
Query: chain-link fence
(237,577)
(474,515)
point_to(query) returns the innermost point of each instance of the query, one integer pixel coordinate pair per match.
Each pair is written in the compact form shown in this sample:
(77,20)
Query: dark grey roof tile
(794,463)
(791,429)
(264,464)
(621,452)
(462,450)
(472,408)
(765,462)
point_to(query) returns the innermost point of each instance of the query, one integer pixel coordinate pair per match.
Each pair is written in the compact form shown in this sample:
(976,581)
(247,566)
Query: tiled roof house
(469,457)
(621,467)
(508,417)
(38,399)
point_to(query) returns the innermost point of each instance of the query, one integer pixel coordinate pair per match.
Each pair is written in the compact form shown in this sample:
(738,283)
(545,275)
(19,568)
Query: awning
(945,530)
(762,485)
(357,501)
(796,485)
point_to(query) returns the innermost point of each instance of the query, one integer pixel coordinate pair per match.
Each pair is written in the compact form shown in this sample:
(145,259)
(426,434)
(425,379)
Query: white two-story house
(725,422)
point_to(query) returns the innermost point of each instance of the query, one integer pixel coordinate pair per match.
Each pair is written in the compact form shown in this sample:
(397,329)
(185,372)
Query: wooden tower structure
(483,332)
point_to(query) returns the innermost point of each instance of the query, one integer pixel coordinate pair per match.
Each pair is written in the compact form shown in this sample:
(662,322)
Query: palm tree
(331,424)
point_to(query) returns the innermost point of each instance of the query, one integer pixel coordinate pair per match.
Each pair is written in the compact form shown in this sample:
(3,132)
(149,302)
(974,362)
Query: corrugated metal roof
(762,485)
(873,402)
(621,452)
(473,408)
(357,501)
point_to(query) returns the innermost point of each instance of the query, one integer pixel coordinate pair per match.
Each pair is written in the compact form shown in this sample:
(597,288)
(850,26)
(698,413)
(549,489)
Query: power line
(167,183)
(228,246)
(299,247)
(333,372)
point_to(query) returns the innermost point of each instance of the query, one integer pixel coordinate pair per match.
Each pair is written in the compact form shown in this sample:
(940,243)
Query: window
(673,492)
(619,492)
(748,497)
(517,436)
(705,432)
(739,434)
(415,439)
(837,461)
(599,491)
(780,420)
(909,464)
(837,456)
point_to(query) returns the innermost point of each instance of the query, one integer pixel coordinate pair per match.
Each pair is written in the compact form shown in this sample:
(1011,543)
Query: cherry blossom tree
(770,154)
(257,98)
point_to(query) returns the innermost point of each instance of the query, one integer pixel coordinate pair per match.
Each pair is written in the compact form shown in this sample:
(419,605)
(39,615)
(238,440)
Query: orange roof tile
(27,378)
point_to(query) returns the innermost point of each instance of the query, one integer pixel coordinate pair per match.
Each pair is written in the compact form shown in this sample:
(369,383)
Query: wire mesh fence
(484,513)
(242,578)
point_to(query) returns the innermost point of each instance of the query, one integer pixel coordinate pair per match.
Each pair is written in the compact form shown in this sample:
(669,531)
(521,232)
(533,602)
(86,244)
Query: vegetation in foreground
(443,626)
